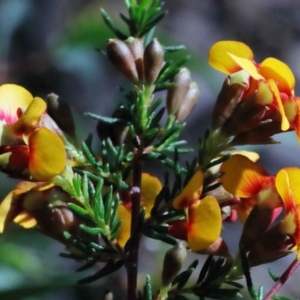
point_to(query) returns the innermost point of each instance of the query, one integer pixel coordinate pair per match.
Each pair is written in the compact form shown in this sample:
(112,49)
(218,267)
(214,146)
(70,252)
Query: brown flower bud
(270,246)
(136,47)
(176,94)
(173,262)
(61,113)
(121,56)
(153,61)
(259,135)
(189,102)
(49,208)
(229,97)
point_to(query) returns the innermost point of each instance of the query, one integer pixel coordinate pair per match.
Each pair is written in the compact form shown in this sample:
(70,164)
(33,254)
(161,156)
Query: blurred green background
(53,46)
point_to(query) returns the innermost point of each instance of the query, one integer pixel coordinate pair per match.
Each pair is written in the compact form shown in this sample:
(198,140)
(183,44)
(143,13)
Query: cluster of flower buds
(183,97)
(257,99)
(137,63)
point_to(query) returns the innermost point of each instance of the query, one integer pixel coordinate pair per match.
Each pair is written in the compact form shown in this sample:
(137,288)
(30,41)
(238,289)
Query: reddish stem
(283,279)
(132,260)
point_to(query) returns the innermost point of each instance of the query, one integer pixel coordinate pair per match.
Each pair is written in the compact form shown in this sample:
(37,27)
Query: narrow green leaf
(110,267)
(115,230)
(147,295)
(85,188)
(78,209)
(184,276)
(170,49)
(205,269)
(274,276)
(88,265)
(108,202)
(91,230)
(111,26)
(98,206)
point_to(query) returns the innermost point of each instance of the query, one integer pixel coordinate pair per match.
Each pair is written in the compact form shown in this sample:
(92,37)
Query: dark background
(50,46)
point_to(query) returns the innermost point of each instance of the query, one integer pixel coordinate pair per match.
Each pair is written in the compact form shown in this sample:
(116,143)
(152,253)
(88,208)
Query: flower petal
(150,188)
(204,224)
(191,192)
(272,68)
(242,178)
(285,125)
(47,154)
(247,65)
(11,206)
(30,118)
(287,184)
(124,215)
(25,220)
(13,97)
(219,59)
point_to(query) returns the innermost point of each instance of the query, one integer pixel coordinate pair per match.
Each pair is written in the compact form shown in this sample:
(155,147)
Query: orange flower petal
(242,178)
(124,215)
(287,184)
(150,188)
(30,118)
(47,154)
(13,97)
(204,223)
(272,68)
(191,192)
(219,59)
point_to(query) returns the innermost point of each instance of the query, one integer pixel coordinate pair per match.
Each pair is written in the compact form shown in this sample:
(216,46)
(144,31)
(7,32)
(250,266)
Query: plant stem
(283,279)
(132,261)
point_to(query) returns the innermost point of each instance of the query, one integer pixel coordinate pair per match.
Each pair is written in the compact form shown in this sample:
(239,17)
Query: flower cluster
(257,99)
(99,203)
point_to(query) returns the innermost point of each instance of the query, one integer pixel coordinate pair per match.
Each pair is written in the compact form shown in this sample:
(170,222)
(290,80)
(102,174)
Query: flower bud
(121,56)
(270,246)
(173,262)
(49,208)
(136,47)
(61,113)
(229,97)
(189,102)
(176,95)
(258,136)
(258,221)
(153,61)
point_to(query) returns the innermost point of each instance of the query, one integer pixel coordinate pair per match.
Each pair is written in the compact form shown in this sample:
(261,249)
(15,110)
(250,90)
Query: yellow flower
(287,184)
(29,137)
(230,57)
(203,223)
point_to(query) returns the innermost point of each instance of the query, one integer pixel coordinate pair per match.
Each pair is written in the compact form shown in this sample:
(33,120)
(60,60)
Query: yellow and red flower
(245,179)
(30,144)
(202,226)
(271,76)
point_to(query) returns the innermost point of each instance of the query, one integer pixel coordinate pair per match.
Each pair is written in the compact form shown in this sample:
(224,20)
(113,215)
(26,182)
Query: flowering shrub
(100,202)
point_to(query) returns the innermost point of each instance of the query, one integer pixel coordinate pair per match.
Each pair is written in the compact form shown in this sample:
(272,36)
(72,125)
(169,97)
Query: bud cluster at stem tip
(136,62)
